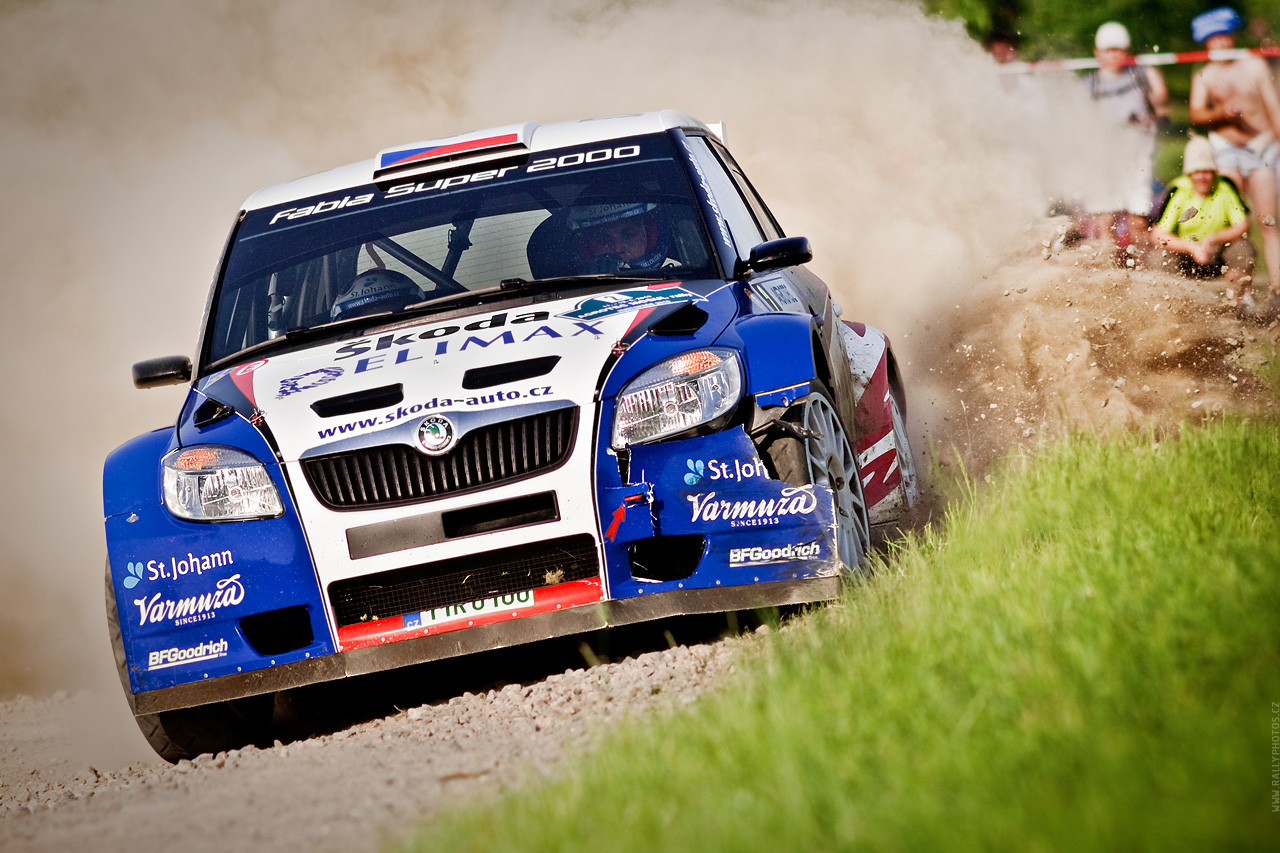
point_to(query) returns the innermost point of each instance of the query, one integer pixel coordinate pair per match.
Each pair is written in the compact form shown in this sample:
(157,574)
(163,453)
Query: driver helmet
(612,237)
(374,291)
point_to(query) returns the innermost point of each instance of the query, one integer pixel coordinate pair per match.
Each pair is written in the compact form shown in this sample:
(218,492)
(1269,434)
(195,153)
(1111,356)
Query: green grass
(1085,658)
(1268,368)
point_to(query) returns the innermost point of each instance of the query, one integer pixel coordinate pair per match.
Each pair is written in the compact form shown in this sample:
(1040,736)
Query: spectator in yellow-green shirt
(1204,225)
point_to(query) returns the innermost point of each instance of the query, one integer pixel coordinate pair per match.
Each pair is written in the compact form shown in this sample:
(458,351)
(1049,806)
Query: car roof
(473,148)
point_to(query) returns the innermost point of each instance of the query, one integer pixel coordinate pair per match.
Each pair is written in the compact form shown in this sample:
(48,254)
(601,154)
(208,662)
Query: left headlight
(213,483)
(677,394)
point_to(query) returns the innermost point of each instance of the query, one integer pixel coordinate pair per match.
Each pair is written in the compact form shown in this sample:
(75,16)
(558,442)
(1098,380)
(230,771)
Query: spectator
(1204,226)
(1022,87)
(1236,98)
(1133,97)
(1003,46)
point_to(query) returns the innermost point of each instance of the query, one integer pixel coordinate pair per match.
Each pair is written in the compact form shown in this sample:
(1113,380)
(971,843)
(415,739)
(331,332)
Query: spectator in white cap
(1135,98)
(1204,227)
(1236,99)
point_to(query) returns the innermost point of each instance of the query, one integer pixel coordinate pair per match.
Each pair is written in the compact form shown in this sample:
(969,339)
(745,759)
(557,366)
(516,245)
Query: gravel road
(353,788)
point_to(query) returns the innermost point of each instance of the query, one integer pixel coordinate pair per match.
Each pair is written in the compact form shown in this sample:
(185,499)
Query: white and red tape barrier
(1141,59)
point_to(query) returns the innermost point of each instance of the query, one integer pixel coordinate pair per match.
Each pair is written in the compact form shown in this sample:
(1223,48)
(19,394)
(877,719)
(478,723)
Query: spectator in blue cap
(1236,99)
(1224,21)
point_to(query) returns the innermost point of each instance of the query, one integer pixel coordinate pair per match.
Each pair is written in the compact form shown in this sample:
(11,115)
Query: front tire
(189,732)
(826,459)
(218,727)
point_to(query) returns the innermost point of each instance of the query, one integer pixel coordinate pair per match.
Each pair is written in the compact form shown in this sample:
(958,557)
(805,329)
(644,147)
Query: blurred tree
(980,16)
(1065,28)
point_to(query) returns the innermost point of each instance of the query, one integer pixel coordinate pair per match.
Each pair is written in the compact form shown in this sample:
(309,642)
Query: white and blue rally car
(486,390)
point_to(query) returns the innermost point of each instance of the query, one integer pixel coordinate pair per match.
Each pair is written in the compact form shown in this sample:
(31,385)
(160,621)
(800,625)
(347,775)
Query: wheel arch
(896,383)
(777,348)
(822,369)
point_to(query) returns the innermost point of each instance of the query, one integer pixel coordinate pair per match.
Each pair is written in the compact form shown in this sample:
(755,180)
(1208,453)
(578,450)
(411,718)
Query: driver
(614,237)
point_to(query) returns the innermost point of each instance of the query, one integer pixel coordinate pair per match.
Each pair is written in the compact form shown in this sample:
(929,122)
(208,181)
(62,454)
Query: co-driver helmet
(375,291)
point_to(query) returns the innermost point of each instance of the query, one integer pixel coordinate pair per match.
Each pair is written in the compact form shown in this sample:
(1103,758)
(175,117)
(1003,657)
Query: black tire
(189,732)
(826,459)
(221,726)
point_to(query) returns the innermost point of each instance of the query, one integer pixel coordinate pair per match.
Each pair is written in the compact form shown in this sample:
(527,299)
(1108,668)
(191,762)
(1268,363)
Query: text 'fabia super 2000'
(485,390)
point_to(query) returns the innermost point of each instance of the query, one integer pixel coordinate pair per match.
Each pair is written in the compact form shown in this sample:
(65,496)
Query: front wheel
(189,732)
(826,458)
(219,727)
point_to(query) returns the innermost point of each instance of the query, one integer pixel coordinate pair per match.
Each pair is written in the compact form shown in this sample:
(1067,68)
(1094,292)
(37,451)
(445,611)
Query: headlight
(213,483)
(677,394)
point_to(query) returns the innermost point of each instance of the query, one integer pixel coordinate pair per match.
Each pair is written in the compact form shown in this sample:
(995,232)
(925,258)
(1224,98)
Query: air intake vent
(464,579)
(360,401)
(501,515)
(666,558)
(685,320)
(515,371)
(210,412)
(398,474)
(278,631)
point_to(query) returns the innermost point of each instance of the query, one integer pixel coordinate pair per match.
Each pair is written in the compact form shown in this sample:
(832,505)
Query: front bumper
(687,527)
(528,629)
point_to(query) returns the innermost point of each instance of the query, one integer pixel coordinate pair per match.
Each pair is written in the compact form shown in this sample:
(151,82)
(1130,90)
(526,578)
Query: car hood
(496,363)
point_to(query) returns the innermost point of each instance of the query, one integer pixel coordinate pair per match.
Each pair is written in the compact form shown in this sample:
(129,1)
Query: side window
(742,225)
(770,225)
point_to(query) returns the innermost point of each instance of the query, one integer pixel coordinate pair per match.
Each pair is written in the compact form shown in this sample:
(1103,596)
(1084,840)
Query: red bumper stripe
(389,630)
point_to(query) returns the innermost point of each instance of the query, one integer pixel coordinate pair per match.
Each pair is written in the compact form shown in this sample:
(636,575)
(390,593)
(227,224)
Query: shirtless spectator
(1136,98)
(1236,98)
(1204,228)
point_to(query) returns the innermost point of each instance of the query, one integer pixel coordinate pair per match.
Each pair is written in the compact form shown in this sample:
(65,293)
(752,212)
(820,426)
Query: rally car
(485,390)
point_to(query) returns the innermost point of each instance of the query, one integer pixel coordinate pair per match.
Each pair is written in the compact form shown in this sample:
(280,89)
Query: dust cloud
(133,129)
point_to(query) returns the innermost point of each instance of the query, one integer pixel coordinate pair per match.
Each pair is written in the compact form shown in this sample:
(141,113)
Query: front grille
(486,456)
(464,579)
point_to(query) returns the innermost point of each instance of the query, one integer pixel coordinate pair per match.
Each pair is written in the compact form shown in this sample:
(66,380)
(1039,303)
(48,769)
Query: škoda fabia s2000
(486,390)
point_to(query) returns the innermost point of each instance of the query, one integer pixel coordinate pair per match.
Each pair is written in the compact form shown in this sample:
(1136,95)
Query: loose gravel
(357,788)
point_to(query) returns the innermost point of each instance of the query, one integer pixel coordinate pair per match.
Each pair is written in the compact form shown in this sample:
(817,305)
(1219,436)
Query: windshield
(622,207)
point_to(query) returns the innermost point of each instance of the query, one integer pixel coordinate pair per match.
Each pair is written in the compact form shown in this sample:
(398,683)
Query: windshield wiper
(520,283)
(299,335)
(452,300)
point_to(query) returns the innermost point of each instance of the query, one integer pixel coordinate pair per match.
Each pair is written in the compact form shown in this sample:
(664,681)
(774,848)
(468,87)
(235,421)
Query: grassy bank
(1086,658)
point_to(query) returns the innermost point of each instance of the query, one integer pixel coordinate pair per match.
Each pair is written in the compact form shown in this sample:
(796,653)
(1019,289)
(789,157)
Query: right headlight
(677,394)
(209,482)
